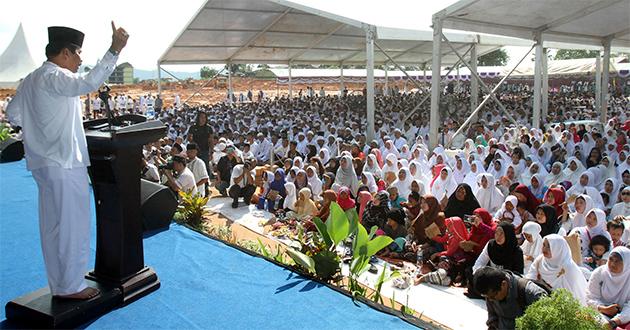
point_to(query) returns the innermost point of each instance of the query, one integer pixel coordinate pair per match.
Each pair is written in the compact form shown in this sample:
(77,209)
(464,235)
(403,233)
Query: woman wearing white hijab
(391,165)
(314,182)
(611,188)
(476,168)
(497,168)
(583,186)
(469,147)
(595,225)
(532,246)
(587,145)
(369,181)
(555,176)
(508,211)
(574,170)
(371,166)
(444,185)
(291,198)
(488,195)
(582,205)
(534,168)
(556,267)
(623,207)
(404,152)
(461,169)
(403,183)
(324,154)
(418,173)
(298,162)
(610,285)
(346,177)
(610,170)
(389,148)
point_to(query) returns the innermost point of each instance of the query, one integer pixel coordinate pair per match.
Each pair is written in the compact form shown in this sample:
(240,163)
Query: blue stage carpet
(205,284)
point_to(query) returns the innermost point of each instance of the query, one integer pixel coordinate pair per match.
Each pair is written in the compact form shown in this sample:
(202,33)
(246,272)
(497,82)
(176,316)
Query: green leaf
(359,241)
(337,225)
(302,259)
(353,219)
(377,244)
(326,264)
(263,249)
(372,232)
(323,231)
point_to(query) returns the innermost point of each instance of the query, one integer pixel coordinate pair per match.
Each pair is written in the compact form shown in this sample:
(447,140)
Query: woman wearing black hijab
(547,219)
(461,203)
(502,251)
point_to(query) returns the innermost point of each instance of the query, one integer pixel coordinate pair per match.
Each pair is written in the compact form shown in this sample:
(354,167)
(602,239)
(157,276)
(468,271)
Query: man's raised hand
(119,38)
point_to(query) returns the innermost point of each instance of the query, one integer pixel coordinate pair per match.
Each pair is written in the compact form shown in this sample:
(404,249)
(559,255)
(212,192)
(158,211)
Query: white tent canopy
(283,32)
(601,23)
(16,61)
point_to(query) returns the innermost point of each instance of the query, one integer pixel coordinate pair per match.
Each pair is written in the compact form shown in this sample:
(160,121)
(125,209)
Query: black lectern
(119,271)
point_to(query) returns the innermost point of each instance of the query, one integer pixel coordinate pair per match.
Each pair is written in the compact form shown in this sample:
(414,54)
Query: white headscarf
(555,178)
(560,271)
(471,177)
(315,183)
(374,169)
(612,200)
(516,217)
(534,248)
(404,187)
(291,198)
(578,189)
(587,233)
(609,288)
(489,198)
(371,182)
(443,188)
(573,176)
(346,176)
(326,155)
(390,168)
(459,175)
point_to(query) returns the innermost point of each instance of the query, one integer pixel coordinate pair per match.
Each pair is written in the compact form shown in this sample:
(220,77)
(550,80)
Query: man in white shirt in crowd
(242,183)
(180,178)
(48,108)
(198,168)
(149,171)
(262,149)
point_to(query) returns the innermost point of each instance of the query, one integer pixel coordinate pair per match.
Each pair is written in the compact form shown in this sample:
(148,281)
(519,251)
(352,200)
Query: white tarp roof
(16,61)
(585,22)
(279,31)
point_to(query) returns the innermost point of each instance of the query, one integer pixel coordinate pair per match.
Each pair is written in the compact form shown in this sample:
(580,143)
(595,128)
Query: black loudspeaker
(159,204)
(11,150)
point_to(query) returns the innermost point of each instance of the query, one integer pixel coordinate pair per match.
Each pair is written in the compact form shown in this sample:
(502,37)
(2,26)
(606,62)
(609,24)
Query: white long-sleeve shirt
(47,107)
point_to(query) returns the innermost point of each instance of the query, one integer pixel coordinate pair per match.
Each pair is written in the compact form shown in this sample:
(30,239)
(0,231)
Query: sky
(153,25)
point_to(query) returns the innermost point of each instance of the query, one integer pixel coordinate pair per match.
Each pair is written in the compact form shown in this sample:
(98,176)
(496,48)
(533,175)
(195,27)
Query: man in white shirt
(48,108)
(198,168)
(262,149)
(183,179)
(242,183)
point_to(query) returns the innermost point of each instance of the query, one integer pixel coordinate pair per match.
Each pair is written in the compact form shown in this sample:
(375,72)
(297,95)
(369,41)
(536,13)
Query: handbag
(432,230)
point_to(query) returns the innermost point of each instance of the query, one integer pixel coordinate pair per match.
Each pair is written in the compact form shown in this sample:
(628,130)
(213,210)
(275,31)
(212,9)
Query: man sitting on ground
(224,170)
(242,183)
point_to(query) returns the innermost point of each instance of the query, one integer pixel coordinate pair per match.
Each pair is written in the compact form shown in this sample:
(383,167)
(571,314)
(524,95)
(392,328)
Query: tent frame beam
(198,90)
(579,14)
(260,33)
(484,87)
(487,97)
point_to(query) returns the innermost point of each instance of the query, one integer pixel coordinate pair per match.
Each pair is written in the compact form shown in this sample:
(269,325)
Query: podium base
(39,309)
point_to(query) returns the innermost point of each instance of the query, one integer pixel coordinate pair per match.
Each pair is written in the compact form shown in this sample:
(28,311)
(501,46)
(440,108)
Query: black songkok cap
(61,35)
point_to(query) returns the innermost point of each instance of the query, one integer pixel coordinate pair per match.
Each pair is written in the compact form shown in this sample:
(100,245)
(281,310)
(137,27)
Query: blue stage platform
(205,284)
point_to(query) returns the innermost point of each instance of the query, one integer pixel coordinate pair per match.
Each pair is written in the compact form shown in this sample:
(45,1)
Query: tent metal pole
(170,74)
(458,83)
(487,97)
(434,120)
(386,88)
(598,81)
(474,85)
(159,79)
(481,83)
(290,83)
(605,79)
(230,82)
(369,49)
(545,85)
(537,81)
(341,84)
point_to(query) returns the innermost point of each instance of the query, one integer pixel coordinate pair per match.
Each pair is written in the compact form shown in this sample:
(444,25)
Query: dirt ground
(197,92)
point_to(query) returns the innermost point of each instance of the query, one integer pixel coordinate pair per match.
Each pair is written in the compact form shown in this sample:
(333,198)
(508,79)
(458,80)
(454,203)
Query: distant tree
(568,54)
(207,72)
(263,66)
(498,57)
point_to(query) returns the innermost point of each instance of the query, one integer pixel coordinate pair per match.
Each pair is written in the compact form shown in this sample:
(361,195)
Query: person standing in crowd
(198,168)
(48,108)
(202,134)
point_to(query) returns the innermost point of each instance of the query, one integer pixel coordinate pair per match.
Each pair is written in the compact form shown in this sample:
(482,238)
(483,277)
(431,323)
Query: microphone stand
(103,94)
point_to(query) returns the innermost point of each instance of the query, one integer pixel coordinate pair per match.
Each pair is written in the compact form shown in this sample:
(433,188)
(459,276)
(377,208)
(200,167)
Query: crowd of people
(549,204)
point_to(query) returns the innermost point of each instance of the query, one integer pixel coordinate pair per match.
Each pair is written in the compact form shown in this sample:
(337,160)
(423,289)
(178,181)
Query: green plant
(559,311)
(223,233)
(5,131)
(364,247)
(192,208)
(318,255)
(249,245)
(278,256)
(383,277)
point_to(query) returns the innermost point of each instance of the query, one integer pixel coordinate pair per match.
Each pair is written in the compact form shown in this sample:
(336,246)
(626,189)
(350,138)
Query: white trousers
(64,226)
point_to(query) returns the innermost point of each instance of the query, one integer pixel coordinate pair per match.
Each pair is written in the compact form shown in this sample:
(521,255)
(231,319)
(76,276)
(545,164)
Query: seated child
(616,229)
(305,205)
(394,198)
(597,252)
